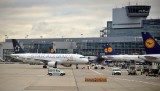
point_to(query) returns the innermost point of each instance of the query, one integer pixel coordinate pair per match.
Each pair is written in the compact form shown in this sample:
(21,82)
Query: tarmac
(25,77)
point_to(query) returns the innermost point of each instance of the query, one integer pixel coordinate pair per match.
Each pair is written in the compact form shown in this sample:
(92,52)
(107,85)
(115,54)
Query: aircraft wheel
(96,67)
(50,74)
(44,66)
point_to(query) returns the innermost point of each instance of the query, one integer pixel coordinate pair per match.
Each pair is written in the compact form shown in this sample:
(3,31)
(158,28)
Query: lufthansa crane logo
(17,48)
(106,50)
(110,49)
(149,43)
(52,51)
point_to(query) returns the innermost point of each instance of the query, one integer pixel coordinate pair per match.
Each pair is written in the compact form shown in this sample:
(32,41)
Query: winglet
(151,46)
(108,49)
(16,46)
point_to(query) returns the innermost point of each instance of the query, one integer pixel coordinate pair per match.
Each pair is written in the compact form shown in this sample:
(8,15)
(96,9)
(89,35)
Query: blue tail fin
(16,46)
(108,49)
(150,45)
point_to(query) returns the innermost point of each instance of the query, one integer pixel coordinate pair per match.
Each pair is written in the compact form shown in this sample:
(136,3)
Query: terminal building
(123,33)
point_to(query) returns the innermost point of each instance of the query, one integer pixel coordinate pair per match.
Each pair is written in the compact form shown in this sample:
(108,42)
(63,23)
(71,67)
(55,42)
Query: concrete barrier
(95,79)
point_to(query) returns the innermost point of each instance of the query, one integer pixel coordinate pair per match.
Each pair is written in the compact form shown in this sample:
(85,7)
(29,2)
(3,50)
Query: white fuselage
(123,58)
(59,58)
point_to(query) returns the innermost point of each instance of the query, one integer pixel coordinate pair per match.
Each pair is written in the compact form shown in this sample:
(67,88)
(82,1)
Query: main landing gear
(76,66)
(44,66)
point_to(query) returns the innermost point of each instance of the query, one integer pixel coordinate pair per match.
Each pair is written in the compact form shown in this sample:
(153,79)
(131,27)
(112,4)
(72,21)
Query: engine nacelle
(52,64)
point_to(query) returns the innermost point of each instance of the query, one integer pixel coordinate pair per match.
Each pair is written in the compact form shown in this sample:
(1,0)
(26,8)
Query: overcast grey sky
(57,18)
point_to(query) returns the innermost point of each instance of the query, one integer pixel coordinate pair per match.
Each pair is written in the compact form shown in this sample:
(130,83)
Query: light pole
(41,36)
(1,37)
(6,37)
(81,35)
(26,36)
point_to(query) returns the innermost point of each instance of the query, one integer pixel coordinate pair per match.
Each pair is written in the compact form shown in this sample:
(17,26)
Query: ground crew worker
(141,71)
(88,66)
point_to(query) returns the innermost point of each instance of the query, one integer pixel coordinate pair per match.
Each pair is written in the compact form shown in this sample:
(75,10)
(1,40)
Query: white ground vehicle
(55,72)
(98,67)
(116,71)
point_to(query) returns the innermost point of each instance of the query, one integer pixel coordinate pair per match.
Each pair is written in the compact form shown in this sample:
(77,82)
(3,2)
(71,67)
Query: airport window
(138,9)
(61,50)
(7,52)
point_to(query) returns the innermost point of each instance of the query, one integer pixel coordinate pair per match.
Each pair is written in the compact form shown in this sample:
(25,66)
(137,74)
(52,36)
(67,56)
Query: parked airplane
(152,48)
(110,54)
(47,58)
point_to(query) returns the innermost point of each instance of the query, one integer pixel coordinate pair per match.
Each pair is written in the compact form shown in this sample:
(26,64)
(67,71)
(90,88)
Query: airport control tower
(129,16)
(130,21)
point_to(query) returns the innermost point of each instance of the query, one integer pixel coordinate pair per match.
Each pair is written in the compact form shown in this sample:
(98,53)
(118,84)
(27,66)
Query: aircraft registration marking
(50,56)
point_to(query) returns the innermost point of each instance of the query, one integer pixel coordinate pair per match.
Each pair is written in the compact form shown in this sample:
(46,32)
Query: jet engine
(52,64)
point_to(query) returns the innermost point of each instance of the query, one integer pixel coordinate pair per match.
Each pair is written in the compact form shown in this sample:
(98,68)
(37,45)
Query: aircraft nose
(86,60)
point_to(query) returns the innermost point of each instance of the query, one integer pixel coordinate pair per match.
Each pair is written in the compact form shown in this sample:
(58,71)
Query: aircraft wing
(150,57)
(46,60)
(42,60)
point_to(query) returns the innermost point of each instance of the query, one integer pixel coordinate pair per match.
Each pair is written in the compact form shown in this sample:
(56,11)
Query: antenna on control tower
(129,3)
